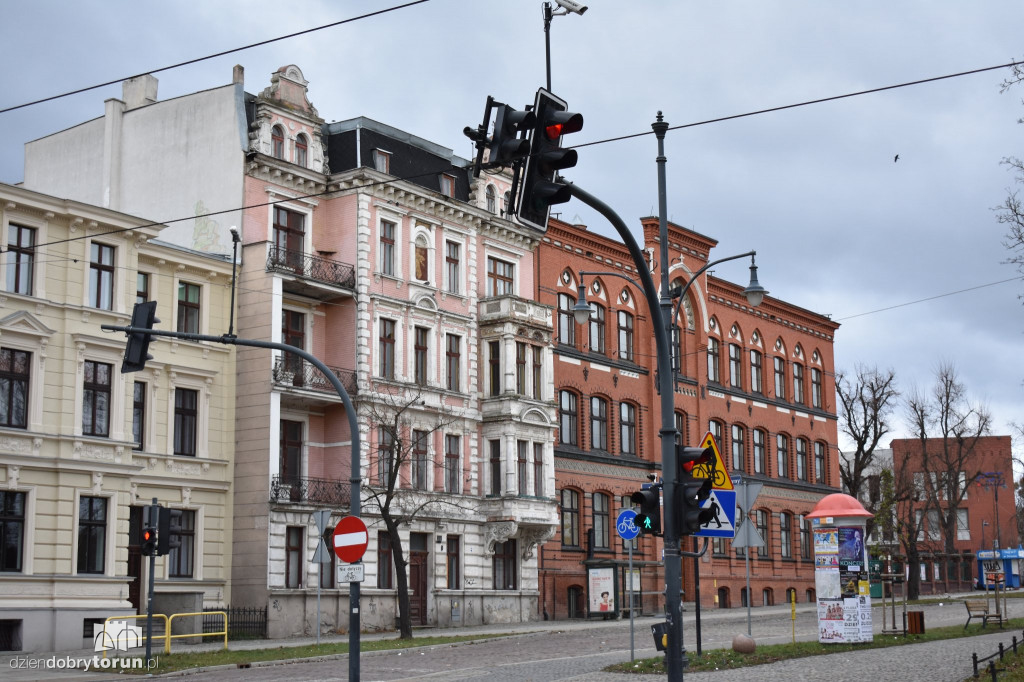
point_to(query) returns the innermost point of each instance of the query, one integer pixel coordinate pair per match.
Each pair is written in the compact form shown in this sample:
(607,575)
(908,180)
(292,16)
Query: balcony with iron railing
(313,276)
(310,491)
(304,382)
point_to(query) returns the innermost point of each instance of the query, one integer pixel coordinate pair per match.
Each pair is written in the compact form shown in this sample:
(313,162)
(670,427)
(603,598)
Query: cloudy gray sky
(840,228)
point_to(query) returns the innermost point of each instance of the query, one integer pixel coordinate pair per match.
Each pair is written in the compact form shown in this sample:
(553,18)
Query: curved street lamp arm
(686,287)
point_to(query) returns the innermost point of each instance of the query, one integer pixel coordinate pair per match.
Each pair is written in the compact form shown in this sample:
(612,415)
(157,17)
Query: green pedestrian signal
(648,518)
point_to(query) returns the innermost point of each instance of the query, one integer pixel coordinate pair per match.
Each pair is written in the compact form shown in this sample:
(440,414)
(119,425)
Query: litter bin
(915,622)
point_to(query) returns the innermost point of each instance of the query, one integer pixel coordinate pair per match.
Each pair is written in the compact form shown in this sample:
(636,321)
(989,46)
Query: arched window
(801,459)
(625,336)
(681,436)
(756,372)
(301,151)
(760,447)
(786,535)
(598,423)
(761,520)
(602,528)
(738,455)
(597,328)
(277,142)
(568,418)
(491,199)
(782,456)
(505,200)
(566,321)
(714,360)
(819,462)
(570,518)
(735,366)
(627,429)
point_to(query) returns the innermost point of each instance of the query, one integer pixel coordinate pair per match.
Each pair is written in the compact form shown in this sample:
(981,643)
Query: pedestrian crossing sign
(723,522)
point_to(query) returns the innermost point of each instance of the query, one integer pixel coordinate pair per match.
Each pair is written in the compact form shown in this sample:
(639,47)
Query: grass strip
(245,657)
(727,659)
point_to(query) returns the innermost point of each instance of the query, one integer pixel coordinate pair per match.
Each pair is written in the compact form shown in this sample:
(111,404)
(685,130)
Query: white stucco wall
(198,140)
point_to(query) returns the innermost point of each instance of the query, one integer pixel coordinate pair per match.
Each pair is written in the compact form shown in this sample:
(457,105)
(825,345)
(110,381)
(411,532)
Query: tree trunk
(913,574)
(401,579)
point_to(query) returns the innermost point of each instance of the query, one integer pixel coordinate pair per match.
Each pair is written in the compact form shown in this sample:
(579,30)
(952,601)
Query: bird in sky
(897,158)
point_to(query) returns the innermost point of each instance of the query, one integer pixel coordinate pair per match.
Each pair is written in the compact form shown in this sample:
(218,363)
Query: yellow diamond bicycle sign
(721,480)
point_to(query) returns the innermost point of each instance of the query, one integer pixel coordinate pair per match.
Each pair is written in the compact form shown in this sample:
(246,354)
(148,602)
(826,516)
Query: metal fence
(244,622)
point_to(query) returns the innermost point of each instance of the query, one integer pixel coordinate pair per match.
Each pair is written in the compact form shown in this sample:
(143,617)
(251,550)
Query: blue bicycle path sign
(624,524)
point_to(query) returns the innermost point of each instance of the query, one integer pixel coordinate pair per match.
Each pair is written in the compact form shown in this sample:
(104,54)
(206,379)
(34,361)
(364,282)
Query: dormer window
(382,160)
(447,185)
(301,151)
(277,142)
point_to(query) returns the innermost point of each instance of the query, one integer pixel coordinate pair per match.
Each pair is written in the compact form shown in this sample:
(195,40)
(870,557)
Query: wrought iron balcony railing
(318,268)
(285,489)
(295,372)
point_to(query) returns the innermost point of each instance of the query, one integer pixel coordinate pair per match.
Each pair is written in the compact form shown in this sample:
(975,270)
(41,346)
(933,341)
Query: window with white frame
(963,529)
(301,150)
(453,267)
(20,259)
(15,379)
(447,185)
(500,277)
(92,534)
(101,276)
(386,251)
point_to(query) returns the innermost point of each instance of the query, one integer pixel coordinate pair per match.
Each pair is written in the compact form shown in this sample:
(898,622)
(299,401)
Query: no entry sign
(350,538)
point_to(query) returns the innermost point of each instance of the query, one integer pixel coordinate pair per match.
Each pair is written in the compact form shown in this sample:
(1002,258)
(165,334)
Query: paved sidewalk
(935,661)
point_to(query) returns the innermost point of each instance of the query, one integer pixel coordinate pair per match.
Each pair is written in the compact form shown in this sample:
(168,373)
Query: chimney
(139,91)
(238,74)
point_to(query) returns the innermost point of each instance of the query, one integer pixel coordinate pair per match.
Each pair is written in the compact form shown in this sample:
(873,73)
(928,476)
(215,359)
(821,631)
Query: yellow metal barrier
(169,636)
(123,635)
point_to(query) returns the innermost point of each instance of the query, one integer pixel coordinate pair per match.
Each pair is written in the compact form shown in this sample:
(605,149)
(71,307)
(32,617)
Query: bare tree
(400,468)
(866,402)
(947,427)
(898,520)
(1011,212)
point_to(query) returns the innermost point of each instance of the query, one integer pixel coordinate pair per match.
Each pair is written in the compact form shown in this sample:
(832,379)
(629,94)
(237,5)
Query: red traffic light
(147,535)
(691,457)
(565,123)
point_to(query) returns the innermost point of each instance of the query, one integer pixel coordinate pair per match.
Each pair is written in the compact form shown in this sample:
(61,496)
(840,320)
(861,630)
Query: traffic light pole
(355,480)
(661,311)
(154,510)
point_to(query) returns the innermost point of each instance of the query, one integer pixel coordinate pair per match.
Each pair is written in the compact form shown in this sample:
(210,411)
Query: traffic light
(509,142)
(648,519)
(136,352)
(540,190)
(149,541)
(691,493)
(168,531)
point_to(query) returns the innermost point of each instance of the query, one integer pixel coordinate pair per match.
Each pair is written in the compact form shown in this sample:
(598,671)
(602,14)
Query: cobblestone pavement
(578,650)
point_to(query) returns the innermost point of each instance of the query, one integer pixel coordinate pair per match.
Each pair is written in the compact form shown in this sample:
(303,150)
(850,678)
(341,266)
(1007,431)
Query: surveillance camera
(572,6)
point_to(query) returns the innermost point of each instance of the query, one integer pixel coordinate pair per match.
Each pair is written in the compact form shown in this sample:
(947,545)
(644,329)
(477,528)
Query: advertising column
(841,570)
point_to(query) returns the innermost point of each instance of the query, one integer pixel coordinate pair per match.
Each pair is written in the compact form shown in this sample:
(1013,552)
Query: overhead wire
(196,60)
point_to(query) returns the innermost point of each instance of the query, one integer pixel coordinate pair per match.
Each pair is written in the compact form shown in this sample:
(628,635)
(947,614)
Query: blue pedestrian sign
(624,524)
(723,523)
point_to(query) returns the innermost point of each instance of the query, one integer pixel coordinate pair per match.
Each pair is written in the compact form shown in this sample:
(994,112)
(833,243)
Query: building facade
(986,515)
(759,379)
(84,448)
(379,253)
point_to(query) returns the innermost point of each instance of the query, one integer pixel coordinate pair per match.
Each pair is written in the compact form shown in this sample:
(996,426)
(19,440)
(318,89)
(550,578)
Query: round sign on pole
(625,524)
(350,539)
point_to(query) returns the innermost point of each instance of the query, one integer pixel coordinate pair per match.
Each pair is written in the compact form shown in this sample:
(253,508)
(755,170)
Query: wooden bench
(977,608)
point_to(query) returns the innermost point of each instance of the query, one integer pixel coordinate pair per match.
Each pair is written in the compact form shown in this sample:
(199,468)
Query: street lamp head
(754,291)
(581,311)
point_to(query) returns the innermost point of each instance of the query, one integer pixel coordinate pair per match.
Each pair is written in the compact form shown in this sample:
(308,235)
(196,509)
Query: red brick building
(982,522)
(762,380)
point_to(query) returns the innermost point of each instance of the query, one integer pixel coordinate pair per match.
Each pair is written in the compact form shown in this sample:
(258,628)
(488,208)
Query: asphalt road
(578,650)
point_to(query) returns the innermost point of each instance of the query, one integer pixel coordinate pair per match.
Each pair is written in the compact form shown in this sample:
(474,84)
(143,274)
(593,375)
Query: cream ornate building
(83,448)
